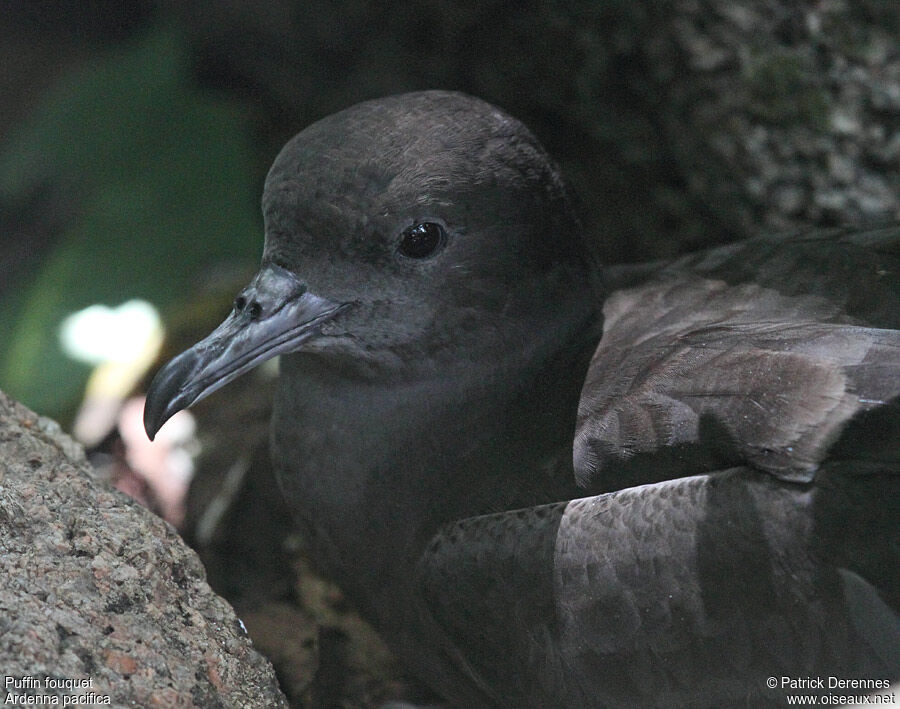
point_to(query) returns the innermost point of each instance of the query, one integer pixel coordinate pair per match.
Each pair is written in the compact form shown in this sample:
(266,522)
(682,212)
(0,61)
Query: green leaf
(165,181)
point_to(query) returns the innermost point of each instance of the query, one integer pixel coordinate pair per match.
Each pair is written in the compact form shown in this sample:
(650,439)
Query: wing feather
(725,375)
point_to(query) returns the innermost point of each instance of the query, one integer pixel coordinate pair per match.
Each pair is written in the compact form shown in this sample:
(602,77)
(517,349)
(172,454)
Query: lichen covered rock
(100,599)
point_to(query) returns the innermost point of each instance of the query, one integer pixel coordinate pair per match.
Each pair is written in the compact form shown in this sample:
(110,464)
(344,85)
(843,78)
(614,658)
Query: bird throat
(373,469)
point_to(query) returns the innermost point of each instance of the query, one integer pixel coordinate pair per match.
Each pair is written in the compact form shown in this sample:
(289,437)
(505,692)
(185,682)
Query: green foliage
(165,184)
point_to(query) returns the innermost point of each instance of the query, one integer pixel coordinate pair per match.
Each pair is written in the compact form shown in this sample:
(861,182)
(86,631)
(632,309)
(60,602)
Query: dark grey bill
(273,315)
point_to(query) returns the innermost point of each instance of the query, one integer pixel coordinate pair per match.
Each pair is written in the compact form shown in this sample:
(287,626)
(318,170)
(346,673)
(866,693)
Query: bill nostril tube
(253,308)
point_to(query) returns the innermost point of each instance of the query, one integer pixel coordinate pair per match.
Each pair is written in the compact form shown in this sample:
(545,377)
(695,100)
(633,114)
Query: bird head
(402,234)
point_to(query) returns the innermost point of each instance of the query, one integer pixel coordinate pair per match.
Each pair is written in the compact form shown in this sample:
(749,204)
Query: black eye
(422,240)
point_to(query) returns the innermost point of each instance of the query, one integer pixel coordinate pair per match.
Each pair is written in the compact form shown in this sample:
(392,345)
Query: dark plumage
(428,285)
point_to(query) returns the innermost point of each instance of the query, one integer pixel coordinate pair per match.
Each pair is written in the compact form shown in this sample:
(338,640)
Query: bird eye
(421,240)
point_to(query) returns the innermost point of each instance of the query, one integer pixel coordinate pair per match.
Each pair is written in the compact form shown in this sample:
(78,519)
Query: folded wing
(689,592)
(700,368)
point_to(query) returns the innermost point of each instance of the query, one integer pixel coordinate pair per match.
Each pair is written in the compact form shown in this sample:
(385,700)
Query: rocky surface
(792,110)
(97,591)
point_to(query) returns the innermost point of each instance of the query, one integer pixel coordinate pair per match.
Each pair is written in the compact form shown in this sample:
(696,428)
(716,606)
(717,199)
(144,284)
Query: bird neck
(375,470)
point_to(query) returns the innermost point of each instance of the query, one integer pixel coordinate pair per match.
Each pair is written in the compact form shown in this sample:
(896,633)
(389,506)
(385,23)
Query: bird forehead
(372,173)
(405,143)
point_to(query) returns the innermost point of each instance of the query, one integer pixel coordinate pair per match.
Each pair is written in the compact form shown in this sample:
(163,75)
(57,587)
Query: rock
(102,599)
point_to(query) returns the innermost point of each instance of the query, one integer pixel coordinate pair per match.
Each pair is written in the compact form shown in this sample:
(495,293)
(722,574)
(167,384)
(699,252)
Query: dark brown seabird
(444,334)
